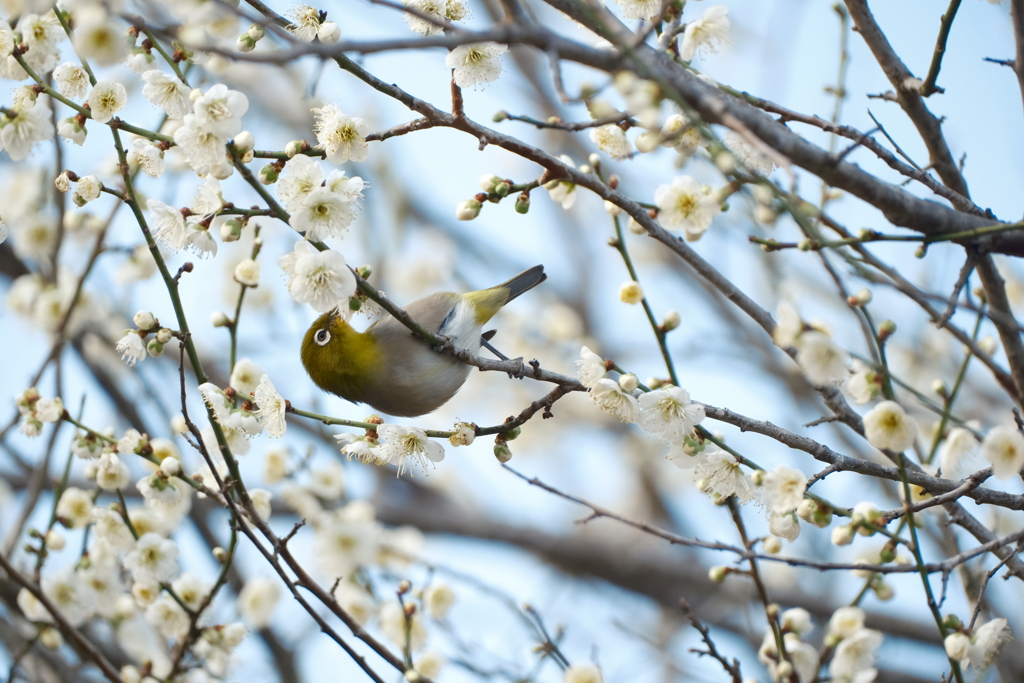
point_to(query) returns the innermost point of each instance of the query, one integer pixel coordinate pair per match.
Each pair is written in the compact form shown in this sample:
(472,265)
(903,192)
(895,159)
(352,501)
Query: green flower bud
(500,116)
(164,335)
(144,320)
(231,230)
(671,321)
(155,348)
(502,452)
(245,43)
(513,433)
(256,32)
(269,174)
(523,203)
(468,210)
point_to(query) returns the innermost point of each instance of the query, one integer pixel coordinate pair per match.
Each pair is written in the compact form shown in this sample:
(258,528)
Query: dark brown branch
(929,88)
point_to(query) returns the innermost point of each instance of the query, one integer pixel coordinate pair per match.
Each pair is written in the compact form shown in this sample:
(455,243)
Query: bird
(392,369)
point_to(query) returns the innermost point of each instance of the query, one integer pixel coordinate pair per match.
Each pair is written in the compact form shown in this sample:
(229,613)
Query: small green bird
(392,369)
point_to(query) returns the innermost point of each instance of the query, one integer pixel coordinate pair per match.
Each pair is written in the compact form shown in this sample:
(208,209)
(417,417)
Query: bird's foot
(447,344)
(519,371)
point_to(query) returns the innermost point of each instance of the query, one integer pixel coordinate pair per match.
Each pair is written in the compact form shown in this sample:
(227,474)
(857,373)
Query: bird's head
(338,358)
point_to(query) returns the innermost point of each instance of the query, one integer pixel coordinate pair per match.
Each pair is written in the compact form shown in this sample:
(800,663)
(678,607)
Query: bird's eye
(322,337)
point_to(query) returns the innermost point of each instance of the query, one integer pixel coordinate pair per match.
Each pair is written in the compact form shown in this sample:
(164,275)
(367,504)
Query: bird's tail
(524,282)
(486,302)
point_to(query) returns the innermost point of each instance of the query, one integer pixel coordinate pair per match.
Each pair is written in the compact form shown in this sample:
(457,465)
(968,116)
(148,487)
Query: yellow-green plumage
(390,368)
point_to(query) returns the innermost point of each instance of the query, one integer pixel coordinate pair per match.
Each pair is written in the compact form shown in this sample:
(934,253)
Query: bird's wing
(430,312)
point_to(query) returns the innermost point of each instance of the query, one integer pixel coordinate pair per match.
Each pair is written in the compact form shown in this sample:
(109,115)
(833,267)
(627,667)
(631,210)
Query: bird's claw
(519,372)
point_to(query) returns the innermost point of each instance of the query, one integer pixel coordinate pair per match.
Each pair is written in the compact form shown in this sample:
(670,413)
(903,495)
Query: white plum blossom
(87,189)
(7,41)
(785,488)
(454,10)
(323,214)
(245,377)
(669,413)
(612,399)
(42,35)
(32,607)
(707,33)
(154,558)
(563,191)
(167,92)
(306,22)
(272,408)
(99,38)
(475,63)
(318,278)
(743,150)
(987,640)
(147,157)
(157,490)
(70,129)
(683,205)
(257,600)
(71,80)
(344,544)
(131,443)
(863,384)
(400,629)
(343,137)
(203,150)
(301,176)
(106,99)
(167,616)
(639,9)
(438,599)
(958,454)
(131,347)
(611,139)
(219,111)
(785,526)
(1003,447)
(590,368)
(167,224)
(355,601)
(582,673)
(328,482)
(247,272)
(855,654)
(822,360)
(400,444)
(191,589)
(74,508)
(724,476)
(846,621)
(788,327)
(887,426)
(111,473)
(29,126)
(69,595)
(140,62)
(110,526)
(958,647)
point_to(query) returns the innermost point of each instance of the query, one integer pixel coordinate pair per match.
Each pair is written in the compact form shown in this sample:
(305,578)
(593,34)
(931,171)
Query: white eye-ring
(322,337)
